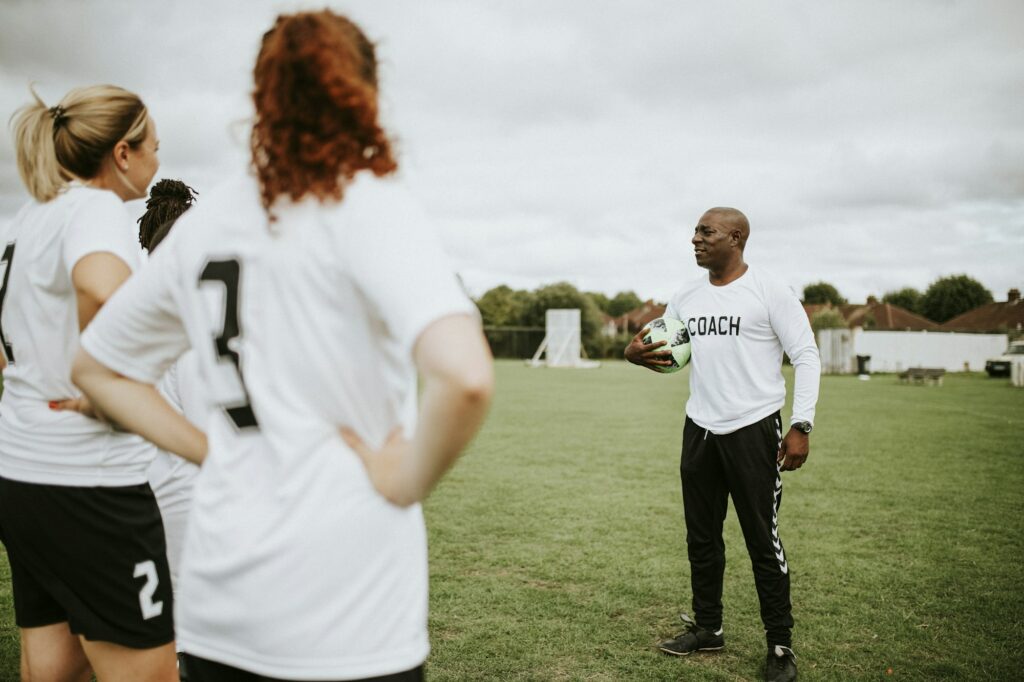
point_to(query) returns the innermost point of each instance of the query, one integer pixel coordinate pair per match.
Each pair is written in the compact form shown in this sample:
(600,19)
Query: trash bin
(864,366)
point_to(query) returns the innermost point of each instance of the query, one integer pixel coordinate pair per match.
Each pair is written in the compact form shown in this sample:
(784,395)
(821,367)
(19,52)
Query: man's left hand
(794,450)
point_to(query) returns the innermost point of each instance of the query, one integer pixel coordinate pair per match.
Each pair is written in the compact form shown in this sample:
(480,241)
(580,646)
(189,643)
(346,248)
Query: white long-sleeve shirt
(738,333)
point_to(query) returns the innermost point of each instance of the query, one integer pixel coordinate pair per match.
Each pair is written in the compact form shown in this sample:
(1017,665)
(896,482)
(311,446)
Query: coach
(740,321)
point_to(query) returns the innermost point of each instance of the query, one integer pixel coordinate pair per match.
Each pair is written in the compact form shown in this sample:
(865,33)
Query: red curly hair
(316,108)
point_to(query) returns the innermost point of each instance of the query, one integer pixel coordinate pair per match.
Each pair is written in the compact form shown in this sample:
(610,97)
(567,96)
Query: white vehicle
(1000,367)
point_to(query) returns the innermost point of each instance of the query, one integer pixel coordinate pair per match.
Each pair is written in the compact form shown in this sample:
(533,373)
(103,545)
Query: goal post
(562,345)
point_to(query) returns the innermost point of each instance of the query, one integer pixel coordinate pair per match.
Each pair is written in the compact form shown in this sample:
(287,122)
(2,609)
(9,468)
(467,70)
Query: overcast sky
(872,144)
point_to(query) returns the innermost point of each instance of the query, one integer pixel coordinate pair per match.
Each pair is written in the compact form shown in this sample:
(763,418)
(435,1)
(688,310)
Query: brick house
(1001,317)
(875,316)
(634,320)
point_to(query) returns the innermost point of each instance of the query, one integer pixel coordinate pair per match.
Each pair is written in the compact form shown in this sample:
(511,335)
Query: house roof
(875,316)
(885,317)
(636,319)
(1000,317)
(813,309)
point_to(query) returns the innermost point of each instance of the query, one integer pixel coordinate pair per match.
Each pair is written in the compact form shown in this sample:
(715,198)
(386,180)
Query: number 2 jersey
(294,566)
(39,329)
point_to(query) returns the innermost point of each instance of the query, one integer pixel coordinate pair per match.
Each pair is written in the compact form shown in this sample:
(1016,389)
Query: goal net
(562,345)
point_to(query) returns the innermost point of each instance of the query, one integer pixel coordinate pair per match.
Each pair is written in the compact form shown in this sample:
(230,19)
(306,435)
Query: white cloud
(873,144)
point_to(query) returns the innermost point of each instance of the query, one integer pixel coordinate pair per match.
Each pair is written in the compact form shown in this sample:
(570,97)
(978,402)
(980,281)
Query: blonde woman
(82,529)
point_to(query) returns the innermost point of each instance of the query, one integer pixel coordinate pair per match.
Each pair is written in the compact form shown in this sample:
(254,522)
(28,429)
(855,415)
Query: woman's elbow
(84,370)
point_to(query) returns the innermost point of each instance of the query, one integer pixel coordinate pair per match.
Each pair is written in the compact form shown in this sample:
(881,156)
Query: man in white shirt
(740,322)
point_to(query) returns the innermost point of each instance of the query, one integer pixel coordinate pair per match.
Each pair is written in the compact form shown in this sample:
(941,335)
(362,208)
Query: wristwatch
(803,427)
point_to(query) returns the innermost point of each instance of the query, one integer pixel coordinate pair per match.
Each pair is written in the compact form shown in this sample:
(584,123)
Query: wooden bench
(922,375)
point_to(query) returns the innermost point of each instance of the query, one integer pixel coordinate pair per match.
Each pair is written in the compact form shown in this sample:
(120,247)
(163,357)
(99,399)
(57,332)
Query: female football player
(81,526)
(171,477)
(312,289)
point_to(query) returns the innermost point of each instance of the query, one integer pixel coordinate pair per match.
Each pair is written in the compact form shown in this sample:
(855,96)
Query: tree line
(505,307)
(944,299)
(512,313)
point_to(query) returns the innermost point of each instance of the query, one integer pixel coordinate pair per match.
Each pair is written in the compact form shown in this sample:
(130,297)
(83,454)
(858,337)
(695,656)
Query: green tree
(623,302)
(950,296)
(503,306)
(565,295)
(822,292)
(829,318)
(600,299)
(908,298)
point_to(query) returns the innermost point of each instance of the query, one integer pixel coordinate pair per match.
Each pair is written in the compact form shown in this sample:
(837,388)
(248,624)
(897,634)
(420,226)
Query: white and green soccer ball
(674,332)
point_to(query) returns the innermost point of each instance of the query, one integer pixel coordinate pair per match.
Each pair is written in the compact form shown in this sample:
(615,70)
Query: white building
(892,351)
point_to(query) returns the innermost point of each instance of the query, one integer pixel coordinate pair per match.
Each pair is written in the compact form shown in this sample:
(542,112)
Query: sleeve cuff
(109,357)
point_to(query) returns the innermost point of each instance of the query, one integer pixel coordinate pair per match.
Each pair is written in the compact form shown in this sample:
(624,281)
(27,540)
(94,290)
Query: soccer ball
(674,332)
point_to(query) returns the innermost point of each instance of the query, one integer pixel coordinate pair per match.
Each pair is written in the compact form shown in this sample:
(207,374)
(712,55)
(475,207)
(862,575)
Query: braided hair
(167,201)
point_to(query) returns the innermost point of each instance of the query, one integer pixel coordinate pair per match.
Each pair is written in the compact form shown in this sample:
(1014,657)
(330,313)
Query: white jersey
(738,333)
(294,566)
(39,324)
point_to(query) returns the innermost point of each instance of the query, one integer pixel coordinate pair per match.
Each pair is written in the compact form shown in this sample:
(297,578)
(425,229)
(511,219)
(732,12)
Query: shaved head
(734,218)
(718,242)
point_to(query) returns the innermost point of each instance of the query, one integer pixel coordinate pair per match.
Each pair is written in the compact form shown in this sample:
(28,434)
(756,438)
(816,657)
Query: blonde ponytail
(33,139)
(72,139)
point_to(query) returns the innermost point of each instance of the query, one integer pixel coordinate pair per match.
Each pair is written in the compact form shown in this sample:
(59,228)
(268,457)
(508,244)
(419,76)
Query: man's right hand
(647,354)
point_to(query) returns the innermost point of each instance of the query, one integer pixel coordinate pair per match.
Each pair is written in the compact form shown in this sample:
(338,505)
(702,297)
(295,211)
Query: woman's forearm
(137,407)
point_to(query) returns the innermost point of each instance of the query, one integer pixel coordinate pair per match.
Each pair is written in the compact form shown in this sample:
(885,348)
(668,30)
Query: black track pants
(741,464)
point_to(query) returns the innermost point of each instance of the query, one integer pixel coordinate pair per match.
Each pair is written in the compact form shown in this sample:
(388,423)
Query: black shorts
(201,670)
(94,557)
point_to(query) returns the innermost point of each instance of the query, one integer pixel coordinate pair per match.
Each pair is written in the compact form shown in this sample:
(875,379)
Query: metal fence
(514,342)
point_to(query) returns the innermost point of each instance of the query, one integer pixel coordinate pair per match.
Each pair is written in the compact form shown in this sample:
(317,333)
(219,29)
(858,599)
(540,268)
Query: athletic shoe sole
(687,653)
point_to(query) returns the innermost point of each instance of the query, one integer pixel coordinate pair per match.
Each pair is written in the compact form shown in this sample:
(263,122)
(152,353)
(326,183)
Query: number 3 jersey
(294,566)
(39,331)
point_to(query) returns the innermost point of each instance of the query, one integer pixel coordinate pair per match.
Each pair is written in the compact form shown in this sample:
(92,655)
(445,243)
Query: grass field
(557,543)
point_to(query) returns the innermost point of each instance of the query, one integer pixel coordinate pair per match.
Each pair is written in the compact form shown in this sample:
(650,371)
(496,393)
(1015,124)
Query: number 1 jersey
(39,334)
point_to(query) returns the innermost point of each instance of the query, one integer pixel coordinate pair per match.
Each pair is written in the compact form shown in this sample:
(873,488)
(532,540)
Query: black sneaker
(780,665)
(694,639)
